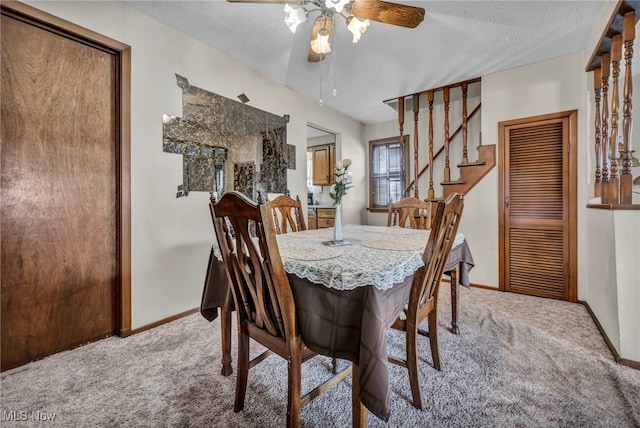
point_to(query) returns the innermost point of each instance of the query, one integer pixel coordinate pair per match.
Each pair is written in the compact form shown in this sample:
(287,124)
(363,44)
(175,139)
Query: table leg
(360,414)
(455,284)
(225,330)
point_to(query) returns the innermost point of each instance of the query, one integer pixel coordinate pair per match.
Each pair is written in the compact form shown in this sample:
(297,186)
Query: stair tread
(445,183)
(461,165)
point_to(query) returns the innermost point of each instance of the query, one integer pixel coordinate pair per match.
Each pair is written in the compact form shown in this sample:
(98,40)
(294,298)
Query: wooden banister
(613,152)
(435,156)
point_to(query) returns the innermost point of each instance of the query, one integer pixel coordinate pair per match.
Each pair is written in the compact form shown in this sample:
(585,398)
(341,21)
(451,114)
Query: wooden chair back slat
(436,254)
(412,210)
(287,214)
(260,285)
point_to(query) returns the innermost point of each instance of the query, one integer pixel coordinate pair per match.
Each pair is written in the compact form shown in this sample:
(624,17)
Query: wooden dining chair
(262,295)
(423,298)
(412,210)
(287,213)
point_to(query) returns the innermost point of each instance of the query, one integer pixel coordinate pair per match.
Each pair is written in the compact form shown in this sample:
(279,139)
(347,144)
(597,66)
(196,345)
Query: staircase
(472,172)
(436,112)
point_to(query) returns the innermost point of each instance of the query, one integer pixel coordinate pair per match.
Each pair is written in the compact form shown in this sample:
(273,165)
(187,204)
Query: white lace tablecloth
(377,255)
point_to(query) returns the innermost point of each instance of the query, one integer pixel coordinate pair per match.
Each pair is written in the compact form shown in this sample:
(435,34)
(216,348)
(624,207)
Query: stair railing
(613,158)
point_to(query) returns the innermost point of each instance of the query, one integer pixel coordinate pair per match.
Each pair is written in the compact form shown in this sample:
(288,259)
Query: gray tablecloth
(351,324)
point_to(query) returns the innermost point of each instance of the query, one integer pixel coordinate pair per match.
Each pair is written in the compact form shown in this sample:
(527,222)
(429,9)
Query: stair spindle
(401,125)
(597,83)
(465,159)
(626,179)
(605,69)
(416,111)
(614,183)
(447,170)
(431,192)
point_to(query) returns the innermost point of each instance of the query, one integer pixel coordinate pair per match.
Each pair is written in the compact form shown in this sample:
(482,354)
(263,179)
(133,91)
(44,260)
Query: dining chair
(262,295)
(416,211)
(287,213)
(423,298)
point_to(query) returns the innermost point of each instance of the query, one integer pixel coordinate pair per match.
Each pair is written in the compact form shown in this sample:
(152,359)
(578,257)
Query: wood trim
(572,135)
(502,268)
(612,207)
(451,86)
(612,349)
(629,363)
(124,187)
(123,55)
(164,321)
(484,287)
(614,26)
(404,141)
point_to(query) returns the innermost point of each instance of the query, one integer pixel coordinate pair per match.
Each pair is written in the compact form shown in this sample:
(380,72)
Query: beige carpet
(518,362)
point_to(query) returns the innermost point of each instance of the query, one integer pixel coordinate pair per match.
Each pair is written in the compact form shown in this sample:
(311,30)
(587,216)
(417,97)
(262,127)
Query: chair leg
(433,338)
(295,390)
(243,368)
(412,365)
(334,365)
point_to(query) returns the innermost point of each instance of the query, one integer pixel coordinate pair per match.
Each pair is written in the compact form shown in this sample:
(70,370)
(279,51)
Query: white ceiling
(458,40)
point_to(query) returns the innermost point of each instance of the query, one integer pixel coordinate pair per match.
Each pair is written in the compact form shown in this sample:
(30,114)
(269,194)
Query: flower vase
(337,224)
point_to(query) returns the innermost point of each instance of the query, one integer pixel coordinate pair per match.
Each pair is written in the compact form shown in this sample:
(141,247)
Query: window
(389,159)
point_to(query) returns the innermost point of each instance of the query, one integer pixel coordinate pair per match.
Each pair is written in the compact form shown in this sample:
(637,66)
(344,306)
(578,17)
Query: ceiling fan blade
(388,13)
(320,23)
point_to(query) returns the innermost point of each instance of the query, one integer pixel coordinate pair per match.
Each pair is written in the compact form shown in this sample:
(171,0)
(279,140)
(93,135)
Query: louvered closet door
(536,212)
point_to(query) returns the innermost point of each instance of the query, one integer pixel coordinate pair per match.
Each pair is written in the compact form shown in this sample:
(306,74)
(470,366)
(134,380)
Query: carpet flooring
(519,361)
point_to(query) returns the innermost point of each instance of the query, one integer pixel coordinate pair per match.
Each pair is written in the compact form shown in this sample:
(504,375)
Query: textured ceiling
(458,40)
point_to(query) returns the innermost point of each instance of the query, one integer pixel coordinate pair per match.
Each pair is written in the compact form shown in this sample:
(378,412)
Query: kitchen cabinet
(324,160)
(319,218)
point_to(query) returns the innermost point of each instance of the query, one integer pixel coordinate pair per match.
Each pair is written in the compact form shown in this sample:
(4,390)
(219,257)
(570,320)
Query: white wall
(171,237)
(547,87)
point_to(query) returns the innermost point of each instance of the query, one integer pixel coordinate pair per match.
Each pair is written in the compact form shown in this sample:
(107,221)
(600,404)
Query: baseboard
(164,321)
(486,287)
(612,349)
(629,363)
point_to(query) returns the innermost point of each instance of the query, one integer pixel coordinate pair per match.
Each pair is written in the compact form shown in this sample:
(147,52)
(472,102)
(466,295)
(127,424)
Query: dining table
(347,294)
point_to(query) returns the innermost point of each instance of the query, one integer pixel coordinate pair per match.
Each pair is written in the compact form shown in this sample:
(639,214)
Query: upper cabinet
(324,160)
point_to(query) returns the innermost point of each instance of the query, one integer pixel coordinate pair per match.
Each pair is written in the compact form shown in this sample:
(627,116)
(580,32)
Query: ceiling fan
(357,14)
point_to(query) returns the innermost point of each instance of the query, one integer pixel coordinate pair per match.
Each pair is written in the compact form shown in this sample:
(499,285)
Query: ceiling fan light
(320,44)
(336,5)
(357,27)
(294,16)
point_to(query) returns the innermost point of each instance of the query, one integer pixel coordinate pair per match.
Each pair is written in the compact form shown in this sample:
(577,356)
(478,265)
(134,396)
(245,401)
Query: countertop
(321,206)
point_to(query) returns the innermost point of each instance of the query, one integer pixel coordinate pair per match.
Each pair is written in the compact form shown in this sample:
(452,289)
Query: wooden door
(538,212)
(60,219)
